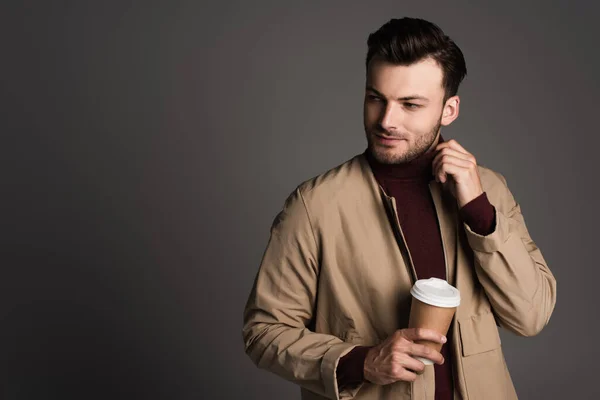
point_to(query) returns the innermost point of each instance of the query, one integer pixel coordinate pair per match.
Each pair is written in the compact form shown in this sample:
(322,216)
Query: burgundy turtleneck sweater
(408,183)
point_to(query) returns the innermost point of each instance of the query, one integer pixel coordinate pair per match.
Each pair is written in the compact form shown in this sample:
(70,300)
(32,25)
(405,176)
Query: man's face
(402,109)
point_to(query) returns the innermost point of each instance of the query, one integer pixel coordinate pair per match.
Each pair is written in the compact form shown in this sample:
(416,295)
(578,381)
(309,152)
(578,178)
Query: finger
(451,156)
(424,334)
(453,169)
(454,145)
(413,364)
(459,170)
(453,152)
(406,375)
(420,350)
(443,155)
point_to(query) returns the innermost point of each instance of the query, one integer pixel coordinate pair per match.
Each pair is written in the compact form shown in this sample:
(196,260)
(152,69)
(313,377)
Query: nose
(390,118)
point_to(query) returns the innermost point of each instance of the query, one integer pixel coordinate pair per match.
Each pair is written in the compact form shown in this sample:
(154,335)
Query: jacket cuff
(492,242)
(329,374)
(479,215)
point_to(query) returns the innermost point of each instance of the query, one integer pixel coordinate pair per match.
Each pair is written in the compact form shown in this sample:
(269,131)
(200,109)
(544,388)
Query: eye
(412,106)
(372,97)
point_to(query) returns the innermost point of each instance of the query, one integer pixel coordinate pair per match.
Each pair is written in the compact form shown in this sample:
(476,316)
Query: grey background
(147,147)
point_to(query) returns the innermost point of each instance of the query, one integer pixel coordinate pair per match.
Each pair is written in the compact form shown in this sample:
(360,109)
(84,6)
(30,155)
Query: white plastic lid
(436,292)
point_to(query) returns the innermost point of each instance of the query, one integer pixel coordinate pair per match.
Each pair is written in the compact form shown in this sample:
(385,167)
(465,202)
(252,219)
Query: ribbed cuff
(479,214)
(495,240)
(350,369)
(329,367)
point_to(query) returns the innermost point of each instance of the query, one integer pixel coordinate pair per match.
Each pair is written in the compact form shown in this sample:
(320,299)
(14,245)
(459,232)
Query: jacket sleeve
(511,268)
(281,303)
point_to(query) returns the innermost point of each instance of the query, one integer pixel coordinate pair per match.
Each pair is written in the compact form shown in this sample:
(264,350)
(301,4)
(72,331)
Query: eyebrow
(405,98)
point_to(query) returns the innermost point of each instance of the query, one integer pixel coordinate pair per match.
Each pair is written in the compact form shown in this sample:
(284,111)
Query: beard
(421,145)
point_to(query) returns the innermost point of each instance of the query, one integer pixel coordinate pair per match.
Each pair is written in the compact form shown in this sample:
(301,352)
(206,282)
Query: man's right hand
(392,360)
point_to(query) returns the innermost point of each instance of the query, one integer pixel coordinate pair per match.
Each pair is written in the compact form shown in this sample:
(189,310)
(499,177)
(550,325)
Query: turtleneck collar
(417,169)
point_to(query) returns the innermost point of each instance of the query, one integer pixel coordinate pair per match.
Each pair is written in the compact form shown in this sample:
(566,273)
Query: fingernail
(444,339)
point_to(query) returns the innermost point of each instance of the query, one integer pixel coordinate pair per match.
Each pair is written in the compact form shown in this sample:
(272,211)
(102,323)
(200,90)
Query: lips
(389,137)
(388,140)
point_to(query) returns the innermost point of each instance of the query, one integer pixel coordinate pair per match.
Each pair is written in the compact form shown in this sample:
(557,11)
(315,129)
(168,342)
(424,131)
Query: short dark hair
(406,41)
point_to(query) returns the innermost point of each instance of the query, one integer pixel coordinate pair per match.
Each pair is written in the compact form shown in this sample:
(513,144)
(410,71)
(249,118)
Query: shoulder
(490,177)
(334,184)
(332,189)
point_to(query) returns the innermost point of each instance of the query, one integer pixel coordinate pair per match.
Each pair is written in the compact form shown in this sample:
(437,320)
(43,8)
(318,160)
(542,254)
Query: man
(330,304)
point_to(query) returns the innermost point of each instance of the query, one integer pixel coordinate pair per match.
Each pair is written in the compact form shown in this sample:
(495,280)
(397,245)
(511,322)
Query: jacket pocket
(478,334)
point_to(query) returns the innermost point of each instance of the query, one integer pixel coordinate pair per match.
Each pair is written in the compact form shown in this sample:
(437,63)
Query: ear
(450,110)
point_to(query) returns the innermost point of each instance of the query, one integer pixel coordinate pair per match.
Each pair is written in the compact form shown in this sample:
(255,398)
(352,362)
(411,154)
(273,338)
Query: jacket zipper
(405,245)
(412,270)
(441,235)
(457,350)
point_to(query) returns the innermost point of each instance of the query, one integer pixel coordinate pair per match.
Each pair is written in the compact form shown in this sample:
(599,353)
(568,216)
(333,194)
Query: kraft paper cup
(433,306)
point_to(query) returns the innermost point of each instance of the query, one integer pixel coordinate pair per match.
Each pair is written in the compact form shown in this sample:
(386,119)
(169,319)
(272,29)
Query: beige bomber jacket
(337,274)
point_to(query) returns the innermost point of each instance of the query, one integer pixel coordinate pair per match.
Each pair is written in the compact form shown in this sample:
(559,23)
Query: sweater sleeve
(480,215)
(350,369)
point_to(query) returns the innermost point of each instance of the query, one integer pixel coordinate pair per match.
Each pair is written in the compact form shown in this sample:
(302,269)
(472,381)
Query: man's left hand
(455,167)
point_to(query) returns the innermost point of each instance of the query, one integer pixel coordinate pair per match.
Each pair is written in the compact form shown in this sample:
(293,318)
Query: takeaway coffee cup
(433,305)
